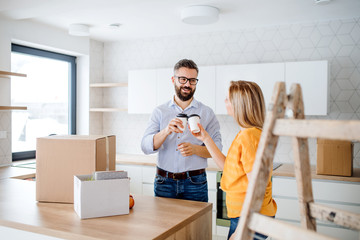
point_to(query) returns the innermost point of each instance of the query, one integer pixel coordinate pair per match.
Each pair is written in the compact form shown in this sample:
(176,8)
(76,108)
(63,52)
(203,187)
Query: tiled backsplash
(337,41)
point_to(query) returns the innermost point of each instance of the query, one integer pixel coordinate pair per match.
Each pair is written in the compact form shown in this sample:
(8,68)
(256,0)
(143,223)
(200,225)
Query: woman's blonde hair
(248,103)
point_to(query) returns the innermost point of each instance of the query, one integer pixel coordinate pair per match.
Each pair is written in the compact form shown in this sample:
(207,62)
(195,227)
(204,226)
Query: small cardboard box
(59,158)
(334,157)
(100,198)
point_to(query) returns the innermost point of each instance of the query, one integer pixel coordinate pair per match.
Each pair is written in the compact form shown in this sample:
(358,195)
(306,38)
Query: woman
(245,103)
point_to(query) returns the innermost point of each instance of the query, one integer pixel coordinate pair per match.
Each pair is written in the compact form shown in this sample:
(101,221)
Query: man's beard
(184,97)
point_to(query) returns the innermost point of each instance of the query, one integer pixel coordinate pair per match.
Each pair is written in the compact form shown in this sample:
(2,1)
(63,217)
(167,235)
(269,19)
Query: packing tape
(107,153)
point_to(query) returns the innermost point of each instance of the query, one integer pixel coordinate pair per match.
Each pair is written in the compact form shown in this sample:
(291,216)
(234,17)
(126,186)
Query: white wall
(47,38)
(337,41)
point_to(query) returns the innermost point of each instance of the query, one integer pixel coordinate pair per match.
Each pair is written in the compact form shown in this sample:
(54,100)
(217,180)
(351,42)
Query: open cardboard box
(60,157)
(100,198)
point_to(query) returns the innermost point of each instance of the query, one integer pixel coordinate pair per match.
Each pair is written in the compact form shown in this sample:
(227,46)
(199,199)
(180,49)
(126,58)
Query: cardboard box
(334,157)
(100,198)
(59,158)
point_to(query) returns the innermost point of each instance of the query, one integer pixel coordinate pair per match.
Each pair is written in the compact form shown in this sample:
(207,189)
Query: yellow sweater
(239,161)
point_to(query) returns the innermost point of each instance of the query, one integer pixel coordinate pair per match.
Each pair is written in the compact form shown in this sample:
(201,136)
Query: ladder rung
(281,230)
(328,129)
(339,217)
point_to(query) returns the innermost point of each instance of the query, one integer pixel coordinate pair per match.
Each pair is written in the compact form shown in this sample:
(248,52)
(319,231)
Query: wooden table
(151,217)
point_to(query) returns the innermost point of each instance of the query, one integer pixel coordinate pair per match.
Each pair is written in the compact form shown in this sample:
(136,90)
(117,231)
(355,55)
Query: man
(182,158)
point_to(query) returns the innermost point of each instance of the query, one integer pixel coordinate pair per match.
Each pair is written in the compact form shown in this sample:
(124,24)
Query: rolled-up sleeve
(147,142)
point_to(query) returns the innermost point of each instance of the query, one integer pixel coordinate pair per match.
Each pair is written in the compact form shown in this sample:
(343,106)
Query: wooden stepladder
(299,129)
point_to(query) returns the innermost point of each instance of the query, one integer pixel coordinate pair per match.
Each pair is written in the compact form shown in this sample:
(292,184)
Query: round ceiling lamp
(322,2)
(200,15)
(81,30)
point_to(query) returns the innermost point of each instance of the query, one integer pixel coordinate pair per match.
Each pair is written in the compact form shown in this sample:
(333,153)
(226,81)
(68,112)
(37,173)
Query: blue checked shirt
(169,158)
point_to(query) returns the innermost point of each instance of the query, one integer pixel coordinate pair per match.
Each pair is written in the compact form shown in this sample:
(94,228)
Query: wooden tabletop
(151,217)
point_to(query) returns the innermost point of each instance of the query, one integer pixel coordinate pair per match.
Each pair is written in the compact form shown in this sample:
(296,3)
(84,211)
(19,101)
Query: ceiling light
(322,2)
(199,15)
(114,25)
(79,30)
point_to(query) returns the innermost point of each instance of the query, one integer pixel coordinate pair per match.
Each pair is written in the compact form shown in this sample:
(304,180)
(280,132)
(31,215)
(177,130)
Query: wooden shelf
(12,108)
(104,85)
(108,110)
(11,74)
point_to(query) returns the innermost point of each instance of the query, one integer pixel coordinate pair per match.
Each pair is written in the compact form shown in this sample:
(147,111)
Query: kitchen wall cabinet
(336,194)
(164,87)
(101,86)
(265,75)
(142,91)
(154,86)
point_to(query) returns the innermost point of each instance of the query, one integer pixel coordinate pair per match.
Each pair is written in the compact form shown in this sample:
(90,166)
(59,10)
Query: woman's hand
(202,135)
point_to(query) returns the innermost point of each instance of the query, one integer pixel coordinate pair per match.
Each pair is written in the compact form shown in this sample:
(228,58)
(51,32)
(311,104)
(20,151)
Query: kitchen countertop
(285,170)
(150,160)
(151,217)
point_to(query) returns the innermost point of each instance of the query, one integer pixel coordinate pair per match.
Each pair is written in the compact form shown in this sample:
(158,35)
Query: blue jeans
(233,224)
(192,188)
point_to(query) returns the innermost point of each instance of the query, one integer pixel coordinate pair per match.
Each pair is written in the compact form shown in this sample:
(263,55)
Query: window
(49,92)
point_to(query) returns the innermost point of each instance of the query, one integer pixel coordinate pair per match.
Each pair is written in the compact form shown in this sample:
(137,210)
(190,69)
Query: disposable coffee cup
(193,120)
(184,118)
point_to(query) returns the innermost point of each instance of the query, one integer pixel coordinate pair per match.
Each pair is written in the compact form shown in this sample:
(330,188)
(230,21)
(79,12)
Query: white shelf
(13,108)
(11,74)
(108,110)
(5,74)
(106,85)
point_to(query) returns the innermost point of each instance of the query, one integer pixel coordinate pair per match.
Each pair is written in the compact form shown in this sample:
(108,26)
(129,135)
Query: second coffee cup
(194,119)
(184,118)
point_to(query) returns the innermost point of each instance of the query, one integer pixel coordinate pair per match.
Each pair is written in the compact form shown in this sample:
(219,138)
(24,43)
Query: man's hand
(161,136)
(173,126)
(186,149)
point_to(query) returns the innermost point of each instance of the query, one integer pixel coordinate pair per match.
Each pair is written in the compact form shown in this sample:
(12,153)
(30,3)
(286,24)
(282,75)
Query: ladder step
(337,216)
(281,230)
(328,129)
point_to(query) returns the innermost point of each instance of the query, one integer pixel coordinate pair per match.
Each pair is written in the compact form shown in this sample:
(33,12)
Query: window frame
(72,89)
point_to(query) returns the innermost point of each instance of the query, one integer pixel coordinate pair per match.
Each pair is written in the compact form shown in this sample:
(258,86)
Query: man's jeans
(192,188)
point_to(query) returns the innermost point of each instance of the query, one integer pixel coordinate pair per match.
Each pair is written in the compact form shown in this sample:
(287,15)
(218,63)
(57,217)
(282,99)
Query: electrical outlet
(3,134)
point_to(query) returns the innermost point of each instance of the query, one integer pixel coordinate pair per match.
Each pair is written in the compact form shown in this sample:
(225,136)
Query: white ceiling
(156,18)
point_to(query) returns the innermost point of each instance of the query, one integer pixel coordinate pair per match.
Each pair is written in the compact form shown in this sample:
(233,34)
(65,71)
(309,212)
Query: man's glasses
(183,80)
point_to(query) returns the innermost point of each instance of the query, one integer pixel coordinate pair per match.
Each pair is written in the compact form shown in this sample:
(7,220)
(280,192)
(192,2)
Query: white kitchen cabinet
(336,194)
(212,193)
(135,175)
(206,87)
(313,78)
(154,87)
(265,75)
(165,87)
(142,91)
(148,177)
(142,183)
(311,75)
